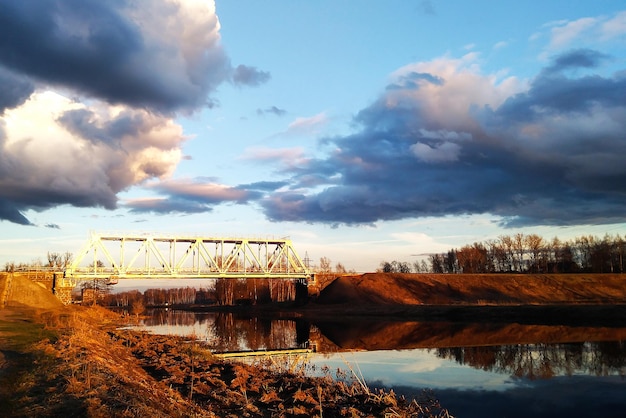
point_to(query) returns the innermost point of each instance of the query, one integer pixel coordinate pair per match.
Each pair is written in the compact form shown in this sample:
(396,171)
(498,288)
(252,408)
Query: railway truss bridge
(137,256)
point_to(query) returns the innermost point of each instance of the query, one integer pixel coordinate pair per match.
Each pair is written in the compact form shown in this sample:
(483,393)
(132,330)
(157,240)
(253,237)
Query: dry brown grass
(82,372)
(88,366)
(475,289)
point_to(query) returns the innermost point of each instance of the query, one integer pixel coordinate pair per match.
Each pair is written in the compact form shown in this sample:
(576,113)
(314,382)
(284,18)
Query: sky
(364,131)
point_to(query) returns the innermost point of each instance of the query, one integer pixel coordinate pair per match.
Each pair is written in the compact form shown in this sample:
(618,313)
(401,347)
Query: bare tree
(54,259)
(339,268)
(67,259)
(535,245)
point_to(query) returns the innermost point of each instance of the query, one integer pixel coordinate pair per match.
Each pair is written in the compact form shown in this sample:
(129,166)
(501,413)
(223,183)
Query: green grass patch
(19,330)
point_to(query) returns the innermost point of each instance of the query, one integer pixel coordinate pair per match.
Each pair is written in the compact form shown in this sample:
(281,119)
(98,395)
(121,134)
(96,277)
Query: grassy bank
(77,361)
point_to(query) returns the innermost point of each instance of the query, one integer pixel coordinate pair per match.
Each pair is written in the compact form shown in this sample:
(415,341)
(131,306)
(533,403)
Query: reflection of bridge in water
(290,359)
(137,256)
(264,353)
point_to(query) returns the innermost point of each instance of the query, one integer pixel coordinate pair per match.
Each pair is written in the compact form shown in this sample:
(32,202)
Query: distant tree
(67,259)
(404,267)
(437,263)
(473,258)
(385,267)
(137,307)
(325,265)
(507,248)
(96,289)
(535,245)
(339,268)
(451,262)
(54,259)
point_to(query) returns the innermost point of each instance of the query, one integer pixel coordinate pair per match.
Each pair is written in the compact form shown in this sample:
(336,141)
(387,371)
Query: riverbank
(564,299)
(83,364)
(82,361)
(397,289)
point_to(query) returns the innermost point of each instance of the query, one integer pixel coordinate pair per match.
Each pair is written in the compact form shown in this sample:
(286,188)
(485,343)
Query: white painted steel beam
(124,256)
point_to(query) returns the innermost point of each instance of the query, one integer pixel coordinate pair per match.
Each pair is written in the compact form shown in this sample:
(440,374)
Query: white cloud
(307,125)
(565,34)
(56,150)
(614,27)
(287,157)
(447,105)
(500,45)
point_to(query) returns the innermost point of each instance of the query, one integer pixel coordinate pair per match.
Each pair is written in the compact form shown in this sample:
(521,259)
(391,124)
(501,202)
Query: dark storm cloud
(11,212)
(579,58)
(95,48)
(64,64)
(550,155)
(14,89)
(249,76)
(81,122)
(558,94)
(273,110)
(413,81)
(264,186)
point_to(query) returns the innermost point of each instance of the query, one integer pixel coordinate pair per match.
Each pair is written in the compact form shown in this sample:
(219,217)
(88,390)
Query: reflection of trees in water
(235,334)
(164,316)
(228,332)
(541,361)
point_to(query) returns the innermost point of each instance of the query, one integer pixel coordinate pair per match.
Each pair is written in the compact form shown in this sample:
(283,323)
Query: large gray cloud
(86,158)
(436,144)
(120,51)
(14,89)
(88,92)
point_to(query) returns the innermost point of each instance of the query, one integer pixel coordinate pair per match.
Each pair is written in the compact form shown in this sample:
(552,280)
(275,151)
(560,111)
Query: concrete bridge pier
(62,288)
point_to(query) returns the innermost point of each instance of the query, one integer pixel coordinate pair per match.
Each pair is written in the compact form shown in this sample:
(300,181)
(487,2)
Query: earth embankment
(475,289)
(17,290)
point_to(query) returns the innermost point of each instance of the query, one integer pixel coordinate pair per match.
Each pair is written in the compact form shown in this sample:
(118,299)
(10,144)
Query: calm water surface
(475,370)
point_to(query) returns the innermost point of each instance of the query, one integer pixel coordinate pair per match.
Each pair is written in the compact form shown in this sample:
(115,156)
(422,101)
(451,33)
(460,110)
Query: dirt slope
(16,290)
(475,289)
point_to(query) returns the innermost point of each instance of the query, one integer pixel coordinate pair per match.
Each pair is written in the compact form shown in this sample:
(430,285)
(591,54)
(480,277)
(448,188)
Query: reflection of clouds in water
(198,330)
(566,396)
(423,362)
(417,368)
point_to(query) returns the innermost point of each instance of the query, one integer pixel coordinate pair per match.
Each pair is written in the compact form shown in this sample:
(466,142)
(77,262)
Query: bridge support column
(302,292)
(64,294)
(62,289)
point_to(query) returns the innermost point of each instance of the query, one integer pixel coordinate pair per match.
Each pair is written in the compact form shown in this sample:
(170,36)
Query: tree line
(524,253)
(54,260)
(226,292)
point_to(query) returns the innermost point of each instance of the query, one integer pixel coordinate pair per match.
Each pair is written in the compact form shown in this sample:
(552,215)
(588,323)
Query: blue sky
(365,131)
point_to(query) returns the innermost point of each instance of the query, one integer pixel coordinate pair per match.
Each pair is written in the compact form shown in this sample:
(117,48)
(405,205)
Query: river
(475,370)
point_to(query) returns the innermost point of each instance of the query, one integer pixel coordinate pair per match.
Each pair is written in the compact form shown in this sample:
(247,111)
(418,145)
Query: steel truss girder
(145,256)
